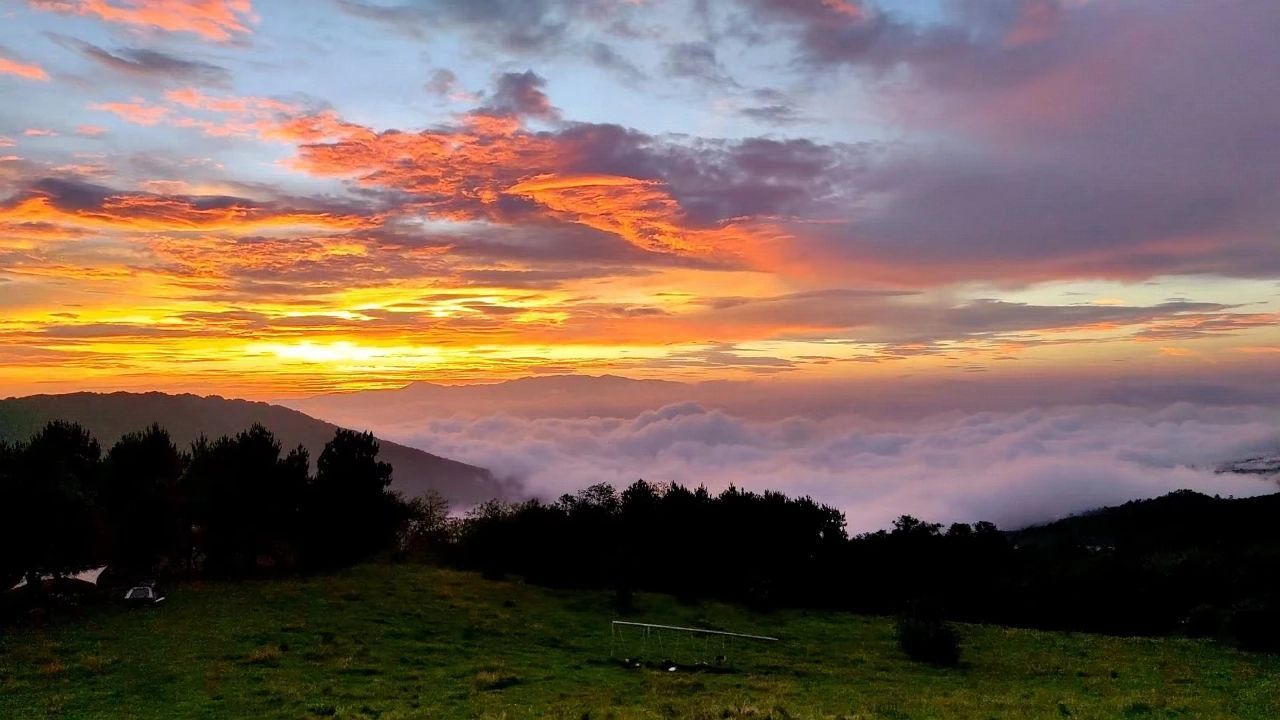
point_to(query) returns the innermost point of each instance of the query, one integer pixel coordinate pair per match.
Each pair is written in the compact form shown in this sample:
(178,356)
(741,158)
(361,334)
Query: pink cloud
(217,20)
(30,71)
(135,111)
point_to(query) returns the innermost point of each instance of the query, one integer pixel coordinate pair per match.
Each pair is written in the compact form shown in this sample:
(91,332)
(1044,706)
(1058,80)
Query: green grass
(404,641)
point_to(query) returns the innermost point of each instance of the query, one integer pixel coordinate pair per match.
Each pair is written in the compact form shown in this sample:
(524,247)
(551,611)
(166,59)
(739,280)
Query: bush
(624,599)
(1255,626)
(1203,621)
(926,637)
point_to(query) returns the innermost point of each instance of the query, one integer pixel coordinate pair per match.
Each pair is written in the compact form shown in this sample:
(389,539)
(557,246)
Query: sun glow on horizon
(684,201)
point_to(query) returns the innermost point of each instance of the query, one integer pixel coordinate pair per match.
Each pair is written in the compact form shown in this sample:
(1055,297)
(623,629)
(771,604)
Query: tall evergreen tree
(350,511)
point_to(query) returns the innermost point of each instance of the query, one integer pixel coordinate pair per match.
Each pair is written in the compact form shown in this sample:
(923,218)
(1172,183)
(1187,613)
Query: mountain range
(544,396)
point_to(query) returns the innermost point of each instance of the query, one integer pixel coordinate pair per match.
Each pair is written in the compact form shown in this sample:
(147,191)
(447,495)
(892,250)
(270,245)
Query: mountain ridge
(556,395)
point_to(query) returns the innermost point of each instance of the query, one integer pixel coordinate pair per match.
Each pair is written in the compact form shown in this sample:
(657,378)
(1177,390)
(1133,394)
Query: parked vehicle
(143,595)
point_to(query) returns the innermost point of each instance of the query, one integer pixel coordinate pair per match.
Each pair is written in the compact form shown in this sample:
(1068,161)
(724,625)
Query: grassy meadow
(408,641)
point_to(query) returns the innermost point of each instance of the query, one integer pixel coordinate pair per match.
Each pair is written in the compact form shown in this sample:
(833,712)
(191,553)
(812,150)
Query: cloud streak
(145,63)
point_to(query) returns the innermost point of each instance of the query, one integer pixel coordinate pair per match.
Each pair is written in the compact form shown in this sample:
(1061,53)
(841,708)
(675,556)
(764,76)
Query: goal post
(670,647)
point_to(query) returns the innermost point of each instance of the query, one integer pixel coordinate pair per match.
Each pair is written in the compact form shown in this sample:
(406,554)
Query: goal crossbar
(694,630)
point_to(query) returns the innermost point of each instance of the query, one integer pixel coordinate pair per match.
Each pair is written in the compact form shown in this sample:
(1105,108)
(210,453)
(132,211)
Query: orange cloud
(463,172)
(461,169)
(853,11)
(317,127)
(193,98)
(156,213)
(30,71)
(217,20)
(641,212)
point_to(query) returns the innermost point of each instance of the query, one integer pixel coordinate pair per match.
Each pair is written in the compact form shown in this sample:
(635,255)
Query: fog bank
(1012,468)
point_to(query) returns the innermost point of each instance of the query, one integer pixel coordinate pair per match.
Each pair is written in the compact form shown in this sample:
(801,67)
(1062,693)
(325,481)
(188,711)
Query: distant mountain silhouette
(551,395)
(108,416)
(1176,521)
(906,398)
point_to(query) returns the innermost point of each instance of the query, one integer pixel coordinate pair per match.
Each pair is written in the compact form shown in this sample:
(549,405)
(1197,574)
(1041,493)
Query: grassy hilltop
(407,641)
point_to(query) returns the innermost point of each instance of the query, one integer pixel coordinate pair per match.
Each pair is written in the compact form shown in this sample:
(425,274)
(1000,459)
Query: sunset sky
(275,199)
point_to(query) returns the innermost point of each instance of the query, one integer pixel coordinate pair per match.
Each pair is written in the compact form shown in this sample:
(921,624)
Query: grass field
(405,641)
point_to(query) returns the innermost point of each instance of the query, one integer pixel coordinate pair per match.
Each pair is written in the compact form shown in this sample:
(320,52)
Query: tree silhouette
(350,512)
(246,501)
(426,530)
(11,506)
(140,496)
(53,483)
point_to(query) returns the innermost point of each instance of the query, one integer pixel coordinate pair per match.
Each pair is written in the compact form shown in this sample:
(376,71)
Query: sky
(273,199)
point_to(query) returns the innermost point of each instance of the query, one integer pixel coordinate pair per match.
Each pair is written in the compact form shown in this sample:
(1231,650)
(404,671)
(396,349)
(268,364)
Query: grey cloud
(604,56)
(515,26)
(521,94)
(780,115)
(442,82)
(897,318)
(695,61)
(151,64)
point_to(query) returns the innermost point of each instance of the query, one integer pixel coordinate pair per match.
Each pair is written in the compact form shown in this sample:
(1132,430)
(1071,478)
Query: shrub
(1255,625)
(1203,621)
(624,599)
(926,637)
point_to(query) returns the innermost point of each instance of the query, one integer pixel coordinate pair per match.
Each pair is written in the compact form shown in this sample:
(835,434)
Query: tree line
(227,507)
(1185,563)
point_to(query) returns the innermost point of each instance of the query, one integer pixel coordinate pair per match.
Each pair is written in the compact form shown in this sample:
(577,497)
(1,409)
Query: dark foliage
(228,507)
(243,499)
(140,497)
(425,530)
(1184,563)
(49,497)
(766,549)
(1255,625)
(924,634)
(349,513)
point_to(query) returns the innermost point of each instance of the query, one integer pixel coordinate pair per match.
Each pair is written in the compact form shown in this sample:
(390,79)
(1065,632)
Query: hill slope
(408,641)
(108,416)
(1176,521)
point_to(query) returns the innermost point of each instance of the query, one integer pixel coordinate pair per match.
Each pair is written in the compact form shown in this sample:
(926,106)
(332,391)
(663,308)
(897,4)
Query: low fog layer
(1012,468)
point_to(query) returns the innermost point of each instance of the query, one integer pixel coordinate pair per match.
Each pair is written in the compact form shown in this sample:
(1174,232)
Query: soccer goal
(672,647)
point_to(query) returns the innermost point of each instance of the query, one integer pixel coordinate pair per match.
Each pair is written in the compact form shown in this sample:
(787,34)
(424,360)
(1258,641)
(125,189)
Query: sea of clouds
(1012,468)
